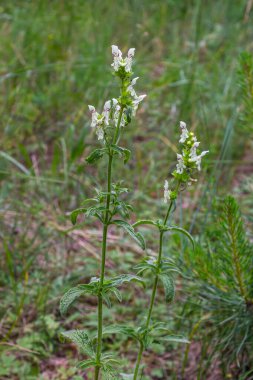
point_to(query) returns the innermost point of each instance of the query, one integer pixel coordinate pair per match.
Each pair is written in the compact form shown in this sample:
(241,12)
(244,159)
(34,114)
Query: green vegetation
(195,63)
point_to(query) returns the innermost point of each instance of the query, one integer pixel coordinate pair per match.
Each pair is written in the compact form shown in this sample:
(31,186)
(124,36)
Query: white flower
(180,164)
(198,159)
(184,134)
(118,61)
(116,116)
(129,59)
(100,133)
(98,120)
(167,192)
(106,112)
(95,117)
(107,109)
(137,101)
(107,105)
(114,102)
(193,151)
(117,54)
(131,89)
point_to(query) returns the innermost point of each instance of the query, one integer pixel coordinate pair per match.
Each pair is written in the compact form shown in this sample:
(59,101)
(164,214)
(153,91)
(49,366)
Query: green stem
(104,246)
(117,132)
(168,212)
(102,270)
(138,362)
(152,300)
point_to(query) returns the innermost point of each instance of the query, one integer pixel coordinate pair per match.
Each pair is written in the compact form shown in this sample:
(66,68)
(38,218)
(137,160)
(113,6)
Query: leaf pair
(94,288)
(97,211)
(158,332)
(162,227)
(97,154)
(137,236)
(84,343)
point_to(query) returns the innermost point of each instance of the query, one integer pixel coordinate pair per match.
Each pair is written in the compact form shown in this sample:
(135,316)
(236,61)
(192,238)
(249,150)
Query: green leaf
(127,155)
(137,236)
(74,214)
(97,211)
(169,287)
(182,231)
(123,208)
(95,155)
(122,279)
(109,372)
(121,329)
(81,339)
(117,293)
(122,152)
(175,339)
(71,295)
(110,286)
(88,200)
(107,361)
(144,221)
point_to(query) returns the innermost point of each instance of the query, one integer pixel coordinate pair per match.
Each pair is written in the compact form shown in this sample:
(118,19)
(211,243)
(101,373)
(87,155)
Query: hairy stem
(117,132)
(152,299)
(102,270)
(138,361)
(104,246)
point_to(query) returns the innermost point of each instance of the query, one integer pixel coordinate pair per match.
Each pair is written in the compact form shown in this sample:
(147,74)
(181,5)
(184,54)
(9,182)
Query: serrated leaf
(123,208)
(143,222)
(81,339)
(121,329)
(74,214)
(117,294)
(107,362)
(95,210)
(182,231)
(127,227)
(169,287)
(124,278)
(71,295)
(95,155)
(107,300)
(123,152)
(89,200)
(140,240)
(175,339)
(148,263)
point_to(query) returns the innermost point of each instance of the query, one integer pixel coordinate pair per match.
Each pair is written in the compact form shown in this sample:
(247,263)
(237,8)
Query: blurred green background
(194,61)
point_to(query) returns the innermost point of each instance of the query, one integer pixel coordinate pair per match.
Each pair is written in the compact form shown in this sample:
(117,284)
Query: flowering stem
(104,246)
(152,300)
(117,132)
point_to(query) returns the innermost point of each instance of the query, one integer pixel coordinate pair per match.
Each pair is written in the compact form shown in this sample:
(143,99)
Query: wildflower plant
(108,207)
(161,268)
